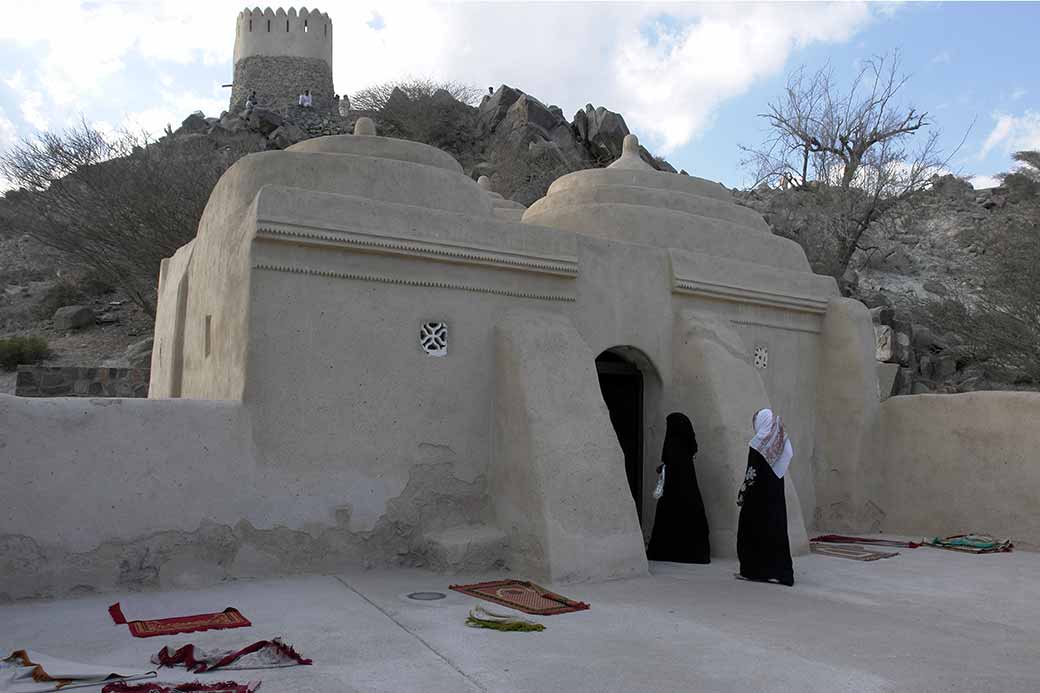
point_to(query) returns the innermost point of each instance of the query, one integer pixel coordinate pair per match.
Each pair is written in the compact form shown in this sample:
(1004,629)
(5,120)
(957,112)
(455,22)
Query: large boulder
(196,122)
(602,131)
(73,317)
(494,108)
(264,121)
(286,135)
(950,186)
(529,112)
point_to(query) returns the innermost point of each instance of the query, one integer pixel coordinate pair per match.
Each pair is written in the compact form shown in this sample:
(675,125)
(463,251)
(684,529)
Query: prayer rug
(842,539)
(228,618)
(523,596)
(973,543)
(264,654)
(190,687)
(26,670)
(856,553)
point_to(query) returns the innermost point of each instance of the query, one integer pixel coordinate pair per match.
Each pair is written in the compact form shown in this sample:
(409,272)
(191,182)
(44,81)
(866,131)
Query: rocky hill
(937,249)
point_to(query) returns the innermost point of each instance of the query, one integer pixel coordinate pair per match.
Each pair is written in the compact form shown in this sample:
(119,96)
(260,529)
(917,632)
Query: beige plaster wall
(170,315)
(557,474)
(846,466)
(713,370)
(951,464)
(130,494)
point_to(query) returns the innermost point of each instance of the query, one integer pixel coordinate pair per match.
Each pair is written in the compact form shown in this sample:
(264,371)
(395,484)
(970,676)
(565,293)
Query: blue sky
(689,78)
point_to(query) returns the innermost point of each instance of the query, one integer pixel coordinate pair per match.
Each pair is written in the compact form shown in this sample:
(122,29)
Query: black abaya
(762,544)
(680,531)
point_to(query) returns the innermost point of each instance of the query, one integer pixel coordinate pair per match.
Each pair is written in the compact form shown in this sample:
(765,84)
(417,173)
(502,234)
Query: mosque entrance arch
(621,381)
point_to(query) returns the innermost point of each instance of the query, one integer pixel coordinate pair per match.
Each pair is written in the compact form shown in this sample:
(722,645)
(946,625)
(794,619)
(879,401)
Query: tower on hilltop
(281,54)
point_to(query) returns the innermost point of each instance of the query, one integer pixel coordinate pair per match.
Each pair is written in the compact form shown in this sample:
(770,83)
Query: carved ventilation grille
(761,357)
(433,338)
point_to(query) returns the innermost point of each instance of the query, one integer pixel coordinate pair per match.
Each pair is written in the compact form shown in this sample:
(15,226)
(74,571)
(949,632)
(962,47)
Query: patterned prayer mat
(856,553)
(973,543)
(263,654)
(189,687)
(228,618)
(842,539)
(523,596)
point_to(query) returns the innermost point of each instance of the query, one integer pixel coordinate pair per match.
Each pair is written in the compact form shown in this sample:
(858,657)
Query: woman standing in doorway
(762,544)
(680,531)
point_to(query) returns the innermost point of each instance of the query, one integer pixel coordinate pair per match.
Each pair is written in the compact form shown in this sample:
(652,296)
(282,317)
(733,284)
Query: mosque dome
(629,201)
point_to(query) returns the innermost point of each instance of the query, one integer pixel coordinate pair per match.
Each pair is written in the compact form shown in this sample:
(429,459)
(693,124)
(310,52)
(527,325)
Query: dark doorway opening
(621,383)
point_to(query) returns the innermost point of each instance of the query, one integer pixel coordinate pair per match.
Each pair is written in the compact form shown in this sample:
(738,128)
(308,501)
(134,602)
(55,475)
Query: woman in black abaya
(680,530)
(762,543)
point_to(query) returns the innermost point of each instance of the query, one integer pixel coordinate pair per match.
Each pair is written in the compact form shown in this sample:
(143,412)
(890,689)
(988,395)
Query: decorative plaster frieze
(561,266)
(774,325)
(424,283)
(758,297)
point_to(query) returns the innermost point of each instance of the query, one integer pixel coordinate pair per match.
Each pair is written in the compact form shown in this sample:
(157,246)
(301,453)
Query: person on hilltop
(305,99)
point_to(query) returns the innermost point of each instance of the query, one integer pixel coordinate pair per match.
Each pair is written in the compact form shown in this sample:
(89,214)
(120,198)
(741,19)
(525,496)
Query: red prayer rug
(523,596)
(264,654)
(228,618)
(842,539)
(856,553)
(191,687)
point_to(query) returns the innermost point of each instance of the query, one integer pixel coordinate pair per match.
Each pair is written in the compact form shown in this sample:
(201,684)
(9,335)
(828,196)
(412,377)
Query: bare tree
(439,114)
(378,96)
(848,151)
(115,205)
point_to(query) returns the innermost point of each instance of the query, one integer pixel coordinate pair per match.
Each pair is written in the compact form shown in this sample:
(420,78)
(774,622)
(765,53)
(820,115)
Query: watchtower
(280,54)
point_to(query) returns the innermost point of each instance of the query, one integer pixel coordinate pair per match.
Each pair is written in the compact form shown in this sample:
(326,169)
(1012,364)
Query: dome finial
(630,157)
(364,126)
(630,145)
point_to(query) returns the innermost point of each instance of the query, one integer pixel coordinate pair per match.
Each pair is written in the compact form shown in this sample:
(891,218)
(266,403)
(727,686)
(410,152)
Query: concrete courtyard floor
(926,620)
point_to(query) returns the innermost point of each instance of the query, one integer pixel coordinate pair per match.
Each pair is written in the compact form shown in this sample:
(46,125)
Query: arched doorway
(621,382)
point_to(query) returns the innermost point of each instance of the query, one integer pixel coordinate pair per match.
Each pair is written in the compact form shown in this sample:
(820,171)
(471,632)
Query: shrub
(113,205)
(15,351)
(64,293)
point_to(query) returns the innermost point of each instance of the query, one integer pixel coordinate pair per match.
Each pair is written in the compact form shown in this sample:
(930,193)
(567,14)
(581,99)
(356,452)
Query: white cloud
(8,132)
(982,182)
(16,81)
(1013,133)
(173,109)
(942,58)
(1018,93)
(32,110)
(667,68)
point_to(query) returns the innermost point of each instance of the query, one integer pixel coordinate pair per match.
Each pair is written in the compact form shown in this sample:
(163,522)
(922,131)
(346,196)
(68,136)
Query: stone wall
(279,81)
(78,381)
(951,464)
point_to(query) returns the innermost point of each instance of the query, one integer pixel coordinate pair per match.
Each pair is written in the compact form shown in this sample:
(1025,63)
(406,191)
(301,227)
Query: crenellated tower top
(280,54)
(303,34)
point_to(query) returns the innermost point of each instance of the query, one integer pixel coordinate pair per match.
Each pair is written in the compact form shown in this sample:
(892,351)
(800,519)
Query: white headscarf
(771,441)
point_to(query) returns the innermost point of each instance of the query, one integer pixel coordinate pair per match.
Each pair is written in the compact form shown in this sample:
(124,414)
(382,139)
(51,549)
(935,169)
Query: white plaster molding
(774,325)
(424,283)
(759,297)
(561,266)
